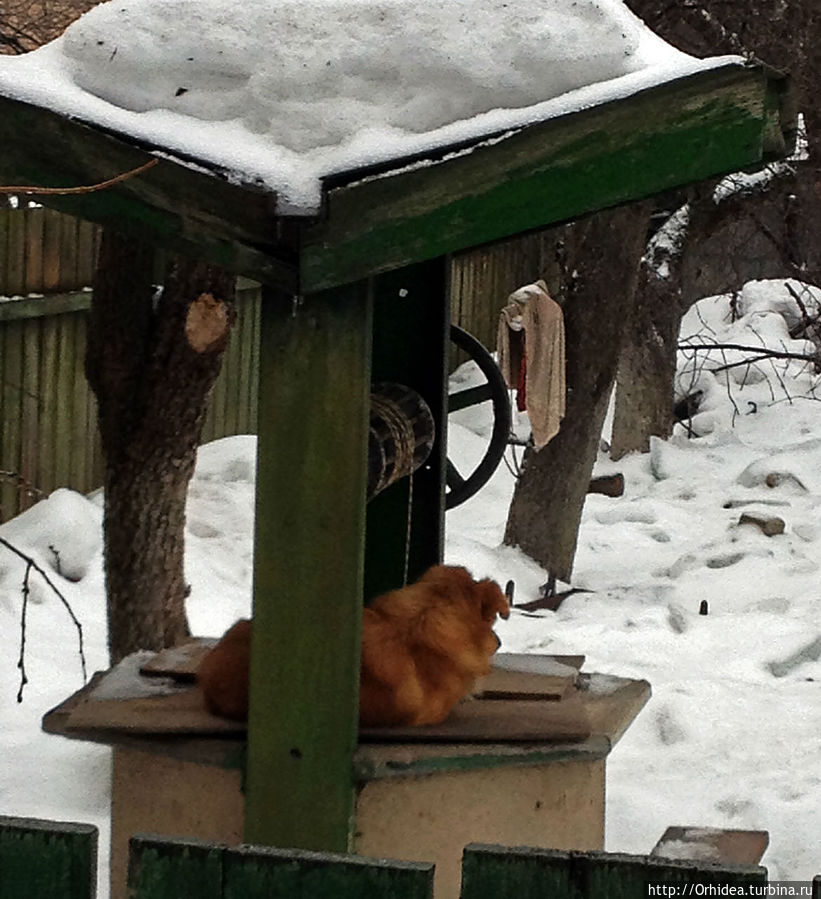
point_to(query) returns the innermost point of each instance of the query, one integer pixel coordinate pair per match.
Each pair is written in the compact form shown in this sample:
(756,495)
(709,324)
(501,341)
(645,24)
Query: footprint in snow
(632,513)
(203,529)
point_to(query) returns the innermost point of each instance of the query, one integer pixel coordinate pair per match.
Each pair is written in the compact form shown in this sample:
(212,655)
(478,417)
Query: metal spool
(400,436)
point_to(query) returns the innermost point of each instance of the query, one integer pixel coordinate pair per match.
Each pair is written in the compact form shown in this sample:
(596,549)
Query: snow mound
(745,345)
(313,73)
(64,530)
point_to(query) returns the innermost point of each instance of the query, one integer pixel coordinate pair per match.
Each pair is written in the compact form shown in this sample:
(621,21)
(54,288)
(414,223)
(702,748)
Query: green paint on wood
(314,390)
(372,764)
(171,205)
(251,873)
(410,347)
(683,131)
(45,306)
(489,872)
(171,869)
(47,859)
(689,129)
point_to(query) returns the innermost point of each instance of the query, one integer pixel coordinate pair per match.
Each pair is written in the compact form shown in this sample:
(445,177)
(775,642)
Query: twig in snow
(21,661)
(30,563)
(760,351)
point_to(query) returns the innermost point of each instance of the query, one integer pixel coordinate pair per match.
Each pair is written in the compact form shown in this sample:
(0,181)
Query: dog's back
(223,673)
(423,646)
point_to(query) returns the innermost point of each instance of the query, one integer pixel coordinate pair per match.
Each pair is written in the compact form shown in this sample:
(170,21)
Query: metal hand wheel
(461,488)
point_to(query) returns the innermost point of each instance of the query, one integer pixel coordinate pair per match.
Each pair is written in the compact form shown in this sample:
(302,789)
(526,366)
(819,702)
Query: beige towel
(531,310)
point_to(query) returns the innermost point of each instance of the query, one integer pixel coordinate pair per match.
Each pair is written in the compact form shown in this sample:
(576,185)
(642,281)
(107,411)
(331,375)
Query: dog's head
(463,614)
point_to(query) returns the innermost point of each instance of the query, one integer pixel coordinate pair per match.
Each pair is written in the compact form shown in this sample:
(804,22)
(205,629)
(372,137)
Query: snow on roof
(286,91)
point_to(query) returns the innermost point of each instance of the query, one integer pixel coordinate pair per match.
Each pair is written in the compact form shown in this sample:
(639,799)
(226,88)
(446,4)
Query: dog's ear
(493,600)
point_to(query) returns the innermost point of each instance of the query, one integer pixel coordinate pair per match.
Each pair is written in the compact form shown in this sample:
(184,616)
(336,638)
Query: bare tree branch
(31,564)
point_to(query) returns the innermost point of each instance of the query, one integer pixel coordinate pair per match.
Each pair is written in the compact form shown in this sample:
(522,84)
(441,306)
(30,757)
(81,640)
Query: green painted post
(170,869)
(254,873)
(314,390)
(410,347)
(47,859)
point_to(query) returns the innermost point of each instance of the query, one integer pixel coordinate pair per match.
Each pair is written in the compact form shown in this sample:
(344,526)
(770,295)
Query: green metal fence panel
(493,872)
(47,859)
(262,873)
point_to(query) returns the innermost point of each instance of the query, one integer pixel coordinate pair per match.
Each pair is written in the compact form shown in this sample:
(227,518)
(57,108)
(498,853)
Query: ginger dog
(423,647)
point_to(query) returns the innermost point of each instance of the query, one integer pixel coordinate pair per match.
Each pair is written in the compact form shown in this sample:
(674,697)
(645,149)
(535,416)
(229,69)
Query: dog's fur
(423,647)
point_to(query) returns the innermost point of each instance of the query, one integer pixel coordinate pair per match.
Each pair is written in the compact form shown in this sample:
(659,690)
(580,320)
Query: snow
(730,737)
(125,682)
(288,91)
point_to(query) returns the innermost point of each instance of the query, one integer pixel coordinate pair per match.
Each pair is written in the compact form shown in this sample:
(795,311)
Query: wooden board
(514,675)
(182,712)
(511,705)
(489,872)
(47,858)
(179,712)
(500,684)
(179,662)
(681,131)
(163,868)
(710,844)
(494,722)
(314,400)
(537,663)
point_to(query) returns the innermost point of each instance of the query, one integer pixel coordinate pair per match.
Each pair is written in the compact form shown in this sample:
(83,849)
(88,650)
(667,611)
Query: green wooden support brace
(170,869)
(314,391)
(173,206)
(492,872)
(681,131)
(410,347)
(254,873)
(47,859)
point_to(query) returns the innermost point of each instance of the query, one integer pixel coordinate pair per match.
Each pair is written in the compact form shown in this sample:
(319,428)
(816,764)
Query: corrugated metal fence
(48,416)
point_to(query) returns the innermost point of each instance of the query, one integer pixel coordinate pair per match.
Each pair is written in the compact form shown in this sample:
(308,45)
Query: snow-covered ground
(732,734)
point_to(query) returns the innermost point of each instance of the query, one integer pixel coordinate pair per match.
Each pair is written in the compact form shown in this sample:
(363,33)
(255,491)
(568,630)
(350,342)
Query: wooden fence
(43,859)
(481,281)
(48,418)
(44,251)
(48,414)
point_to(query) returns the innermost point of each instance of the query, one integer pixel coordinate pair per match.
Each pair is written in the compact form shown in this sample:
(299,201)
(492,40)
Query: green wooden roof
(716,121)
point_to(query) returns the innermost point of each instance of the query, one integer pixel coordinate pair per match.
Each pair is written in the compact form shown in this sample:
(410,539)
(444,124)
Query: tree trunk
(647,367)
(151,363)
(599,272)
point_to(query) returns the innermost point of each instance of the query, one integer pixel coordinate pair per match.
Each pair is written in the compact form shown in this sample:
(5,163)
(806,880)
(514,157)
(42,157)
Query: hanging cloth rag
(530,347)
